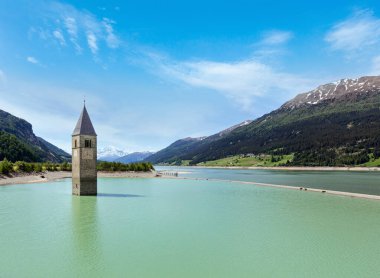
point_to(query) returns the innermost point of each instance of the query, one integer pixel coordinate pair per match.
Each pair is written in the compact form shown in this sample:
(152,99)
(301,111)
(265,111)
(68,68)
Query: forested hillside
(336,124)
(19,143)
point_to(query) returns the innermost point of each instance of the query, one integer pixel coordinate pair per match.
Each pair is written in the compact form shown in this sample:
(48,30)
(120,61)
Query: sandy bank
(126,174)
(51,176)
(33,178)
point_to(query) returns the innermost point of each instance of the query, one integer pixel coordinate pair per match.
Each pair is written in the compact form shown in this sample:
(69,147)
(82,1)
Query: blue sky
(156,71)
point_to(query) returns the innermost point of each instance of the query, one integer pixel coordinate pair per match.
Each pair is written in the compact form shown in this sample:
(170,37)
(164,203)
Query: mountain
(175,151)
(134,157)
(335,124)
(64,156)
(18,142)
(110,153)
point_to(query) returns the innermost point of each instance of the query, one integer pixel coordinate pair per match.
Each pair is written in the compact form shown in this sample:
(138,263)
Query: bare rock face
(17,126)
(344,89)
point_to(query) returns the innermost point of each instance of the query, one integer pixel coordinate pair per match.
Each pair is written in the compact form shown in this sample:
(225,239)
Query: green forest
(7,167)
(14,149)
(118,166)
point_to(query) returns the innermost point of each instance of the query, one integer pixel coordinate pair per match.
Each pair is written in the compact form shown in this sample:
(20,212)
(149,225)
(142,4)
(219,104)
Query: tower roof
(84,125)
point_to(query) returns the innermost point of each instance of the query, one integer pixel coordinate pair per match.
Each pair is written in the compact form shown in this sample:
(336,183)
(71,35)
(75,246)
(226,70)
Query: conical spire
(84,125)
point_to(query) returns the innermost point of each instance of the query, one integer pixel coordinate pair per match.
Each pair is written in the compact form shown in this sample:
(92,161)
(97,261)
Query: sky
(153,72)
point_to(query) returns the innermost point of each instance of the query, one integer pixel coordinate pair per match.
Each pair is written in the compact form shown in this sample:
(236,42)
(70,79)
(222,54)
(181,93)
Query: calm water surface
(185,228)
(357,182)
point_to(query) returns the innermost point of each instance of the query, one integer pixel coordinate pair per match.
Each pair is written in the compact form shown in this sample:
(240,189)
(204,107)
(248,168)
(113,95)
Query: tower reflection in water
(86,235)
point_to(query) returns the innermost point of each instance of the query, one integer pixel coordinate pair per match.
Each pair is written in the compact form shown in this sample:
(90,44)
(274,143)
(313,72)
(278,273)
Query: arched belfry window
(75,143)
(87,143)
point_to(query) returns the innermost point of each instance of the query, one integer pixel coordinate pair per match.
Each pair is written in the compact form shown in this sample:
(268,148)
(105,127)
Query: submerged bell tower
(84,155)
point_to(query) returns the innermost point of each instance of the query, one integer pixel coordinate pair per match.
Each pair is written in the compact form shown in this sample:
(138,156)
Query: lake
(187,228)
(346,181)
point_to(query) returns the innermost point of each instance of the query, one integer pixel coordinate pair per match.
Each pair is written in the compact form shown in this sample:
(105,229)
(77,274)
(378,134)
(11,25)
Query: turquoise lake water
(357,182)
(185,228)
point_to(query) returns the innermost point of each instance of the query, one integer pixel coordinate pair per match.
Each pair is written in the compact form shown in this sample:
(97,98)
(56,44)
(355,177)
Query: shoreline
(43,177)
(54,176)
(25,178)
(287,168)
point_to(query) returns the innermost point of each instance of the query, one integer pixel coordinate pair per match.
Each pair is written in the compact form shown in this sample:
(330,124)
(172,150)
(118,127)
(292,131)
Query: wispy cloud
(32,60)
(58,35)
(72,30)
(91,40)
(111,39)
(79,26)
(242,81)
(276,37)
(359,31)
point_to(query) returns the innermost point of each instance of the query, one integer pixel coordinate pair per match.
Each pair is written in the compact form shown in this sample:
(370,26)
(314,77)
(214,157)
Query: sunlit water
(185,228)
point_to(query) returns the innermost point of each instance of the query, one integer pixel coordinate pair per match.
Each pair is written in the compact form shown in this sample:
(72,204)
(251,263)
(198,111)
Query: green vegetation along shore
(268,160)
(8,167)
(254,160)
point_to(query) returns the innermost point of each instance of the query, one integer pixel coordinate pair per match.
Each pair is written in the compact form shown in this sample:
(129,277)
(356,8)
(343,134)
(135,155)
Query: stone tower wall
(84,180)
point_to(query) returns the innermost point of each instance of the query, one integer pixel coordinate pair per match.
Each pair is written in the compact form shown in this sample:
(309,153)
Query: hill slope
(335,124)
(178,149)
(18,142)
(134,157)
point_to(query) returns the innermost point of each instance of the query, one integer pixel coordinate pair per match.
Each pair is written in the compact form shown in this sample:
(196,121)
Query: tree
(5,166)
(376,152)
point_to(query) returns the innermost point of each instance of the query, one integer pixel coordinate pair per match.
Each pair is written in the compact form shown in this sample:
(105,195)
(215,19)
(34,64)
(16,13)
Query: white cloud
(79,26)
(359,31)
(72,30)
(242,81)
(276,37)
(32,60)
(58,35)
(91,40)
(111,39)
(72,27)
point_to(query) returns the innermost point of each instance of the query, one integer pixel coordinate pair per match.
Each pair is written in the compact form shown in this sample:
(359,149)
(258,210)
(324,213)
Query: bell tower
(84,155)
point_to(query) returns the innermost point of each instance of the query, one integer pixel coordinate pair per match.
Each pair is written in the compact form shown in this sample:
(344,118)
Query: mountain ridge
(181,146)
(334,124)
(134,157)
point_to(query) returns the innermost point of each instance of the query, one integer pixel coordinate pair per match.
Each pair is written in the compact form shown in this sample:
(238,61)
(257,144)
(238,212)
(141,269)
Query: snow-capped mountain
(335,124)
(110,153)
(228,130)
(344,88)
